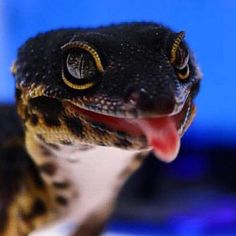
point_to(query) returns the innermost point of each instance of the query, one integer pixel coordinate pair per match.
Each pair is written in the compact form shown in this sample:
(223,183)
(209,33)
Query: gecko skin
(92,102)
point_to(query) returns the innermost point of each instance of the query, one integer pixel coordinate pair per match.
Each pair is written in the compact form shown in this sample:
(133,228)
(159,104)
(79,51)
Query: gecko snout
(141,100)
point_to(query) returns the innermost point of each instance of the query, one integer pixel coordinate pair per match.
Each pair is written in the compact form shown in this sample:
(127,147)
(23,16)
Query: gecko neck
(85,181)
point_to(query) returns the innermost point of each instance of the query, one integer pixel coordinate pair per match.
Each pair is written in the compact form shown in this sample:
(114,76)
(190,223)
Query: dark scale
(34,119)
(61,185)
(41,138)
(18,94)
(66,142)
(38,208)
(50,109)
(48,145)
(61,200)
(48,168)
(53,146)
(123,143)
(74,125)
(51,121)
(45,150)
(99,128)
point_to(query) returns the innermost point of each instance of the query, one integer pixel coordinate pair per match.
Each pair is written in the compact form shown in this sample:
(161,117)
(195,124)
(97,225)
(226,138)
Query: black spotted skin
(50,108)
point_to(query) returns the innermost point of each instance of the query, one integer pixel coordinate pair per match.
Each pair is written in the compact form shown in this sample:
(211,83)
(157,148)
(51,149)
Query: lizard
(92,103)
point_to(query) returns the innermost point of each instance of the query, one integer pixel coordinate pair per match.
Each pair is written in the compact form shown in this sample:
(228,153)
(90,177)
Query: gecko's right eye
(180,57)
(82,66)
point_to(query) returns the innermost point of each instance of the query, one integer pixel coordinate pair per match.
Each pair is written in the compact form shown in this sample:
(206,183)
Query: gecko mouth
(162,133)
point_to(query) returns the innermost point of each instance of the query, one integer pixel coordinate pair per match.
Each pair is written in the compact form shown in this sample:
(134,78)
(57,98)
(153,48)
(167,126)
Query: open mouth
(162,133)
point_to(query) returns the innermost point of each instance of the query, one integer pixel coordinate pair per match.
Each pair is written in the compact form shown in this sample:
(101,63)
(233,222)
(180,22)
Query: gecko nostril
(139,98)
(134,95)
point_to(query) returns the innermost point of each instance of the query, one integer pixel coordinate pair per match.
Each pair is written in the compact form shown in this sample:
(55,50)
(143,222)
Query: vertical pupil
(181,58)
(80,65)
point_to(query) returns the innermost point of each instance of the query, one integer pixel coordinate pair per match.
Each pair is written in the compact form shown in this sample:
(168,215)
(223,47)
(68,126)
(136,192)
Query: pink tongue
(162,136)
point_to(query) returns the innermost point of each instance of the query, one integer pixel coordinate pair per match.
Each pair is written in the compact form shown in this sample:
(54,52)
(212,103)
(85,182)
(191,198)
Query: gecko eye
(180,57)
(81,65)
(181,64)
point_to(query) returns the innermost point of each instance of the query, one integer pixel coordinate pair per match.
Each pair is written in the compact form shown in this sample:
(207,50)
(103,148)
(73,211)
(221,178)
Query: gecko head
(128,85)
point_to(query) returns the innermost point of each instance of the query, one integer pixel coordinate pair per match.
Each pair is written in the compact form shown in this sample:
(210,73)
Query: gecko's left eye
(81,67)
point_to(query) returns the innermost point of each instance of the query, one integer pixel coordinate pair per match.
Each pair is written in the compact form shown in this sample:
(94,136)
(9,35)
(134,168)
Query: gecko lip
(162,134)
(129,125)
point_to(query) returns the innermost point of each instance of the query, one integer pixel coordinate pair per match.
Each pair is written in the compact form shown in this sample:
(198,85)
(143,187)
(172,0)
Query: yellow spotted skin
(23,194)
(125,71)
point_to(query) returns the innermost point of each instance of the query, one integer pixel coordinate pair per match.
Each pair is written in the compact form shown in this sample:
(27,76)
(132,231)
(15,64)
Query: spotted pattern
(74,125)
(61,200)
(34,119)
(46,151)
(66,142)
(49,109)
(38,209)
(53,146)
(61,185)
(48,168)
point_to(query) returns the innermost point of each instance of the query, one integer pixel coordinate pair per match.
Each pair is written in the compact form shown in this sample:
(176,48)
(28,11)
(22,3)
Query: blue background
(210,31)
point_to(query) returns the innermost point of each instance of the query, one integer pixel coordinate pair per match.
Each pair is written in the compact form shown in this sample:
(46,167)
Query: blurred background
(196,194)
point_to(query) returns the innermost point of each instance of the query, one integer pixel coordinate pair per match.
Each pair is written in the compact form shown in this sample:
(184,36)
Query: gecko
(91,104)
